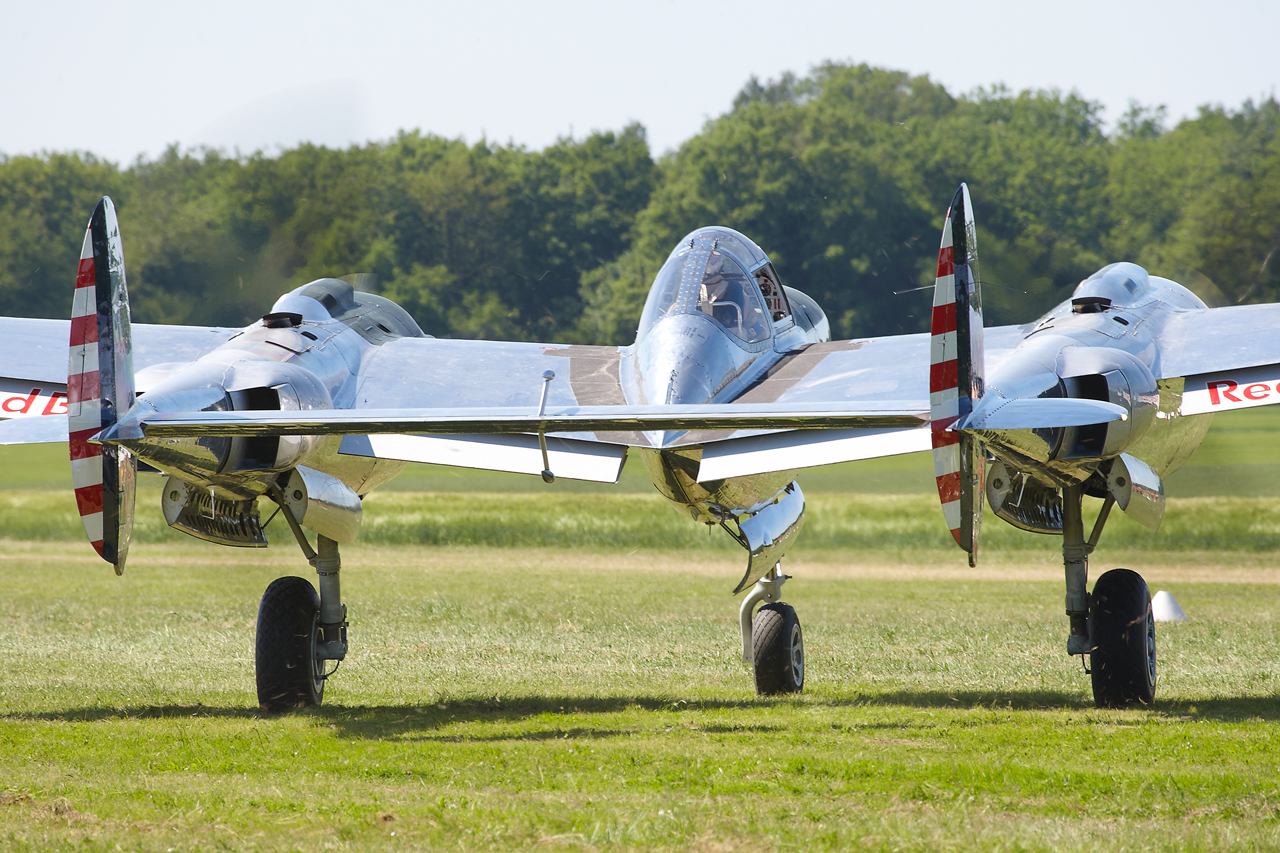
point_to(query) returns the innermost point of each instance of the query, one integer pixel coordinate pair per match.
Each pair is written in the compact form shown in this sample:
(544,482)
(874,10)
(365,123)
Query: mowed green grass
(559,669)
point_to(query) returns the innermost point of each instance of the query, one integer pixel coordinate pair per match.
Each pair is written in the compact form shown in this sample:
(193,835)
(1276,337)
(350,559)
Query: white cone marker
(1164,607)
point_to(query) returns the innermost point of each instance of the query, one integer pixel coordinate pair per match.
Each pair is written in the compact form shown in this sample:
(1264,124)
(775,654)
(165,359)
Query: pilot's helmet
(713,276)
(715,265)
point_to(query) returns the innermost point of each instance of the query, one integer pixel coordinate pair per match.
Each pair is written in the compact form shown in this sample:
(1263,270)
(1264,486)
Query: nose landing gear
(772,640)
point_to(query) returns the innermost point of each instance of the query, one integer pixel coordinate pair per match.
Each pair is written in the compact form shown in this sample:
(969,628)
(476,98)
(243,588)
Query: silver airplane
(731,386)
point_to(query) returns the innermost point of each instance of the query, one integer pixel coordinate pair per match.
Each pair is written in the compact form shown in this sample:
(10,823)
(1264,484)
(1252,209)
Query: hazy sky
(123,79)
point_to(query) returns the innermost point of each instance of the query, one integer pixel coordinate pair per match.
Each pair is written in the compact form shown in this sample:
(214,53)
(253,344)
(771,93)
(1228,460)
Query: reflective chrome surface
(674,474)
(769,531)
(323,503)
(1174,436)
(1138,490)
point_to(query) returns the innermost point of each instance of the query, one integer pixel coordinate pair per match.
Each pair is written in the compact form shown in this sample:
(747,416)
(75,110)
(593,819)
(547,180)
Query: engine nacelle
(1054,367)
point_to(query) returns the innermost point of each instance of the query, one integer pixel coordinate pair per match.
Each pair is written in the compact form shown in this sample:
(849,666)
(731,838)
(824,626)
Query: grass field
(535,672)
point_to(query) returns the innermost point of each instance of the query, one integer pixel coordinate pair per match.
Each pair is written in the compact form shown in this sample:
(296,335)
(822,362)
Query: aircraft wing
(505,421)
(441,373)
(852,373)
(430,373)
(33,370)
(1229,356)
(499,439)
(474,404)
(34,350)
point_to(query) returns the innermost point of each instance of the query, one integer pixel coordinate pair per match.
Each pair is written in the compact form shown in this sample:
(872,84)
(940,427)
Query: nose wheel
(777,650)
(772,640)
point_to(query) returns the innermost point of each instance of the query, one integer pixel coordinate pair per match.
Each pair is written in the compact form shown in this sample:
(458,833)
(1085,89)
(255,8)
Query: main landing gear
(300,632)
(772,641)
(1114,625)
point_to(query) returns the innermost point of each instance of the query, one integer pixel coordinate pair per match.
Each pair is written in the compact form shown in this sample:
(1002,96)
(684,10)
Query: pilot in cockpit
(726,294)
(721,292)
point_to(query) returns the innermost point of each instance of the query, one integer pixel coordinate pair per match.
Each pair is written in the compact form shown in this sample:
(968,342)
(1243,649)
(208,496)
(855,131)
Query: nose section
(677,381)
(684,359)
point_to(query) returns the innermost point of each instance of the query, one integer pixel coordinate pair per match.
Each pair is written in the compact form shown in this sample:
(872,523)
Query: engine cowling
(1112,376)
(1055,367)
(240,466)
(267,386)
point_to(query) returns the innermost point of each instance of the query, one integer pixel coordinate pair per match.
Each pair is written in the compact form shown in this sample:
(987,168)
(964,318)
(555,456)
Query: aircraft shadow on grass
(414,721)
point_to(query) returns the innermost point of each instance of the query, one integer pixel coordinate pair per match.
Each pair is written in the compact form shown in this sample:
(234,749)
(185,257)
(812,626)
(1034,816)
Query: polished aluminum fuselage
(689,358)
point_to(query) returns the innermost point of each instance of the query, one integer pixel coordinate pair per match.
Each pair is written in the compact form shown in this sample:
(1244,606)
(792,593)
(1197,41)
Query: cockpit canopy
(720,273)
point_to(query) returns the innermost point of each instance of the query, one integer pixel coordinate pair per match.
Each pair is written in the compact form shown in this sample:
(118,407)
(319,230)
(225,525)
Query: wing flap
(518,454)
(791,451)
(1231,389)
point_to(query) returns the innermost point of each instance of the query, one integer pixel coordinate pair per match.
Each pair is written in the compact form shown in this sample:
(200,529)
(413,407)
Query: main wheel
(1123,660)
(778,650)
(284,657)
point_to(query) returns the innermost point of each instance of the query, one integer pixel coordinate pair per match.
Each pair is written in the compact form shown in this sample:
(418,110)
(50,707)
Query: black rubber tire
(1123,660)
(777,650)
(287,674)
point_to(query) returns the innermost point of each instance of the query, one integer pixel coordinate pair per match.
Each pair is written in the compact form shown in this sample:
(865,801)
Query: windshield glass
(700,276)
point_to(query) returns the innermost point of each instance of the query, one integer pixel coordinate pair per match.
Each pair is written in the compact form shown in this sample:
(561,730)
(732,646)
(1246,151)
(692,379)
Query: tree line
(842,176)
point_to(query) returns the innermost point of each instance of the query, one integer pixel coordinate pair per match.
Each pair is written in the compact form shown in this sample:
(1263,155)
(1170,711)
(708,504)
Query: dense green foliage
(842,176)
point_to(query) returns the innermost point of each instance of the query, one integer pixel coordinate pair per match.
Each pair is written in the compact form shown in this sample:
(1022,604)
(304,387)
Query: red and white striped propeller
(955,375)
(100,389)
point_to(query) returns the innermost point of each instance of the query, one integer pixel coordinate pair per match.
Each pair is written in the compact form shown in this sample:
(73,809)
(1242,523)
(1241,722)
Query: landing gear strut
(772,641)
(299,632)
(1114,626)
